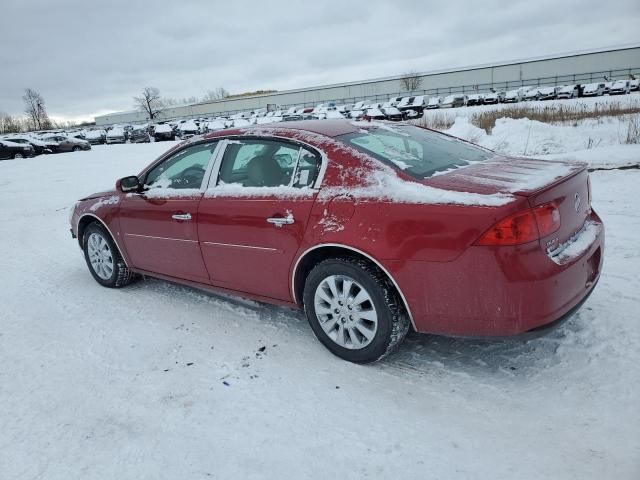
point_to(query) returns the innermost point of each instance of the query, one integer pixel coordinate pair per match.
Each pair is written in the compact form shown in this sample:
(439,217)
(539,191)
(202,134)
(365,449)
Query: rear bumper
(500,291)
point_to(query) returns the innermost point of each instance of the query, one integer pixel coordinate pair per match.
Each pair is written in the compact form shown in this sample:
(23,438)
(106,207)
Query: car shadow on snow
(419,354)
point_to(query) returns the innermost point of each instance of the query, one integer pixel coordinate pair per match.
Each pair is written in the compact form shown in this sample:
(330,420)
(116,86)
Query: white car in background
(475,99)
(634,85)
(95,137)
(533,94)
(492,98)
(453,101)
(549,93)
(513,96)
(620,87)
(593,89)
(568,91)
(433,102)
(394,101)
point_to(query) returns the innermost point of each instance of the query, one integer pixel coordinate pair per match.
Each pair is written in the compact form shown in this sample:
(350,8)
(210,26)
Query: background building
(577,67)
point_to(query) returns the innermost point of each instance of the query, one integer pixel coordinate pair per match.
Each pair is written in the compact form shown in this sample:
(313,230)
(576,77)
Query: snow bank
(597,142)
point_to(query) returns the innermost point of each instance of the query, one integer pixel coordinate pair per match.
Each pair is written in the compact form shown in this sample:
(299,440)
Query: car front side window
(184,170)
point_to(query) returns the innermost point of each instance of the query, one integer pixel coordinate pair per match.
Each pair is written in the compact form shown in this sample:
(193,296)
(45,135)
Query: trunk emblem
(577,203)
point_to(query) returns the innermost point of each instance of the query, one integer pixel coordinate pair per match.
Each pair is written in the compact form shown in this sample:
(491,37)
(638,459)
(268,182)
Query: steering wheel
(191,176)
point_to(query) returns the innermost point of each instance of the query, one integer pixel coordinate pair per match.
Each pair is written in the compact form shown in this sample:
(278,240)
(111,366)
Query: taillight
(547,218)
(523,227)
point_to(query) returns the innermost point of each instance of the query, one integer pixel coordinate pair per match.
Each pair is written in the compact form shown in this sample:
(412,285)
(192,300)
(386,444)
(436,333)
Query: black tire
(17,155)
(393,320)
(121,276)
(76,149)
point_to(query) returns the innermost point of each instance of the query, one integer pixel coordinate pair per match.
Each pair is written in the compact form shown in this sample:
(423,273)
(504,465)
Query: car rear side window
(417,151)
(268,163)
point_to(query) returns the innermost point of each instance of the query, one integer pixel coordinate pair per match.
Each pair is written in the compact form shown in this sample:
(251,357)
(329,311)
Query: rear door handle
(280,221)
(181,216)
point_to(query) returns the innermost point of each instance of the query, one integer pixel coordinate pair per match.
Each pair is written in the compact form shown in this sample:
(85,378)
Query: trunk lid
(540,181)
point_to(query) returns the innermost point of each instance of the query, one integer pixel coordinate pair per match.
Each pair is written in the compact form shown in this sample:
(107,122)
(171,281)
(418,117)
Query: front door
(253,217)
(159,225)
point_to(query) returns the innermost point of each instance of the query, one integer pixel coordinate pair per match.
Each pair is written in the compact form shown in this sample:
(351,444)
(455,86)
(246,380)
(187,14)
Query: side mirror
(128,184)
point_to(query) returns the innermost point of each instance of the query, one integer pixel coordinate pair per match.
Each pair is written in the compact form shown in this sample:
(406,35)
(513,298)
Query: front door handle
(280,221)
(181,216)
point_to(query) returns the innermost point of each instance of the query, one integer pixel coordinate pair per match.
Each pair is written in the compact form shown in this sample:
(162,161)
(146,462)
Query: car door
(4,151)
(253,217)
(159,224)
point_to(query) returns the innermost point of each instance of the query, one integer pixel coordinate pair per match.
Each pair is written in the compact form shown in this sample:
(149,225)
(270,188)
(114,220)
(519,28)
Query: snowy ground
(162,381)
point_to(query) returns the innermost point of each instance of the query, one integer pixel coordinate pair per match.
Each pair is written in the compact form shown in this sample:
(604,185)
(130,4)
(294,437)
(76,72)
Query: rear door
(159,225)
(253,217)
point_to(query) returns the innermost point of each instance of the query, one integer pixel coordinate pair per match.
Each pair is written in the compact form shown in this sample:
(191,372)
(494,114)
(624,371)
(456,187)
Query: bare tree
(9,124)
(411,81)
(35,109)
(150,102)
(217,94)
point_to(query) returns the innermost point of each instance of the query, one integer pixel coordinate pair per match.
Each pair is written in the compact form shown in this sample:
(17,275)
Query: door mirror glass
(128,184)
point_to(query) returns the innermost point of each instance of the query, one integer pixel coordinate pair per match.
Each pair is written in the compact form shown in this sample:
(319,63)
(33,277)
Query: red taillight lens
(547,218)
(513,230)
(523,227)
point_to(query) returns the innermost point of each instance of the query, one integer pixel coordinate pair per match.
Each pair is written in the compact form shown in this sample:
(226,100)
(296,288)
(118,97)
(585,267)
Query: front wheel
(76,149)
(103,258)
(18,155)
(354,309)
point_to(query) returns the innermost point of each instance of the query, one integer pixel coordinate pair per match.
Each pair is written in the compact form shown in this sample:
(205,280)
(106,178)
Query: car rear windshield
(416,151)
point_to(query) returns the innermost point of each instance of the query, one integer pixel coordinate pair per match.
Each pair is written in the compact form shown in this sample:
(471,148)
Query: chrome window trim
(315,247)
(324,160)
(115,239)
(167,157)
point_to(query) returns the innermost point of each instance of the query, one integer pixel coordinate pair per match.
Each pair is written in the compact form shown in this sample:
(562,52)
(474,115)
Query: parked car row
(394,109)
(32,144)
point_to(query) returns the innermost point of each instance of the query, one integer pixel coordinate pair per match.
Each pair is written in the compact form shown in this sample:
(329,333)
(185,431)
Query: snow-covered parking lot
(162,381)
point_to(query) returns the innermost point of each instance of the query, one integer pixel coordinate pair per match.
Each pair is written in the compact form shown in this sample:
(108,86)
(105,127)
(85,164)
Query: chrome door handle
(280,221)
(181,216)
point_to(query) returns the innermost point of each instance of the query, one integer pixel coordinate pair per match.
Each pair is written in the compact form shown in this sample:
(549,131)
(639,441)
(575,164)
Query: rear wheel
(354,309)
(103,258)
(76,149)
(18,155)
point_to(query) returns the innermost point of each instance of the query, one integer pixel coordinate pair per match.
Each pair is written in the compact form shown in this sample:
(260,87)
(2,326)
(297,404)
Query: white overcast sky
(89,57)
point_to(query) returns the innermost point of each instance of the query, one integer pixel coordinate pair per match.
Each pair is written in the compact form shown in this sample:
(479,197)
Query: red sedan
(370,227)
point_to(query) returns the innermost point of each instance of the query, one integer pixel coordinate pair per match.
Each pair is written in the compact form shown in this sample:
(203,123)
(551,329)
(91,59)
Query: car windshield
(416,151)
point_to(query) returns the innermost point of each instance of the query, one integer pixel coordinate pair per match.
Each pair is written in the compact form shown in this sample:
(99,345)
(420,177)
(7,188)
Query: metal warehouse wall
(578,68)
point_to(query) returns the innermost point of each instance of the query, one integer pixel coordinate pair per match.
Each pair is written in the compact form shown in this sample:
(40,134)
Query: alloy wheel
(346,312)
(100,256)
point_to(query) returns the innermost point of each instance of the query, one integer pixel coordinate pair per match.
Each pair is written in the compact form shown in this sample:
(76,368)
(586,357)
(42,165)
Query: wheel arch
(87,219)
(310,257)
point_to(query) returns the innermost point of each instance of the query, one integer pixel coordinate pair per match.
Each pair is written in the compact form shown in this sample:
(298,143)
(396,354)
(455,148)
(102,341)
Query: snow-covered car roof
(115,131)
(8,143)
(620,82)
(163,128)
(94,133)
(374,112)
(434,100)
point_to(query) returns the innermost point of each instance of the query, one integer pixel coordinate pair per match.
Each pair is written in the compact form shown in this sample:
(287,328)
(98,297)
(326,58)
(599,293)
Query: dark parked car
(39,147)
(14,150)
(392,113)
(163,132)
(69,144)
(139,135)
(96,137)
(369,228)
